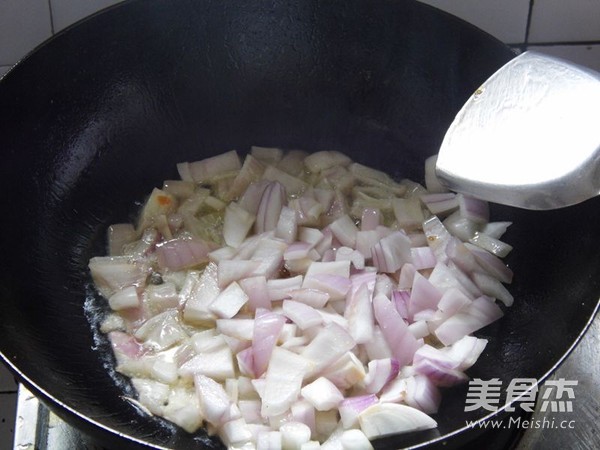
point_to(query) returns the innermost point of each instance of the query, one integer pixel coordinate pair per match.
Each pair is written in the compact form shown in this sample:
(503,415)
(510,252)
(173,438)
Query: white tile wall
(23,25)
(506,19)
(565,20)
(67,12)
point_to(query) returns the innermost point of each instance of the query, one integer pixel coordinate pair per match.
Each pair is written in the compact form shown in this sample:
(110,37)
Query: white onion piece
(113,273)
(344,230)
(182,253)
(302,315)
(269,209)
(351,407)
(335,286)
(278,289)
(124,299)
(440,375)
(322,394)
(250,410)
(365,240)
(401,301)
(422,258)
(464,280)
(380,372)
(231,270)
(408,213)
(384,419)
(235,433)
(125,345)
(152,394)
(492,287)
(480,313)
(268,440)
(293,185)
(452,301)
(392,252)
(419,329)
(422,394)
(252,196)
(461,227)
(320,161)
(294,434)
(119,235)
(461,256)
(310,297)
(214,401)
(359,314)
(183,408)
(161,297)
(495,229)
(267,327)
(209,168)
(330,343)
(440,204)
(268,155)
(347,254)
(466,351)
(473,209)
(236,225)
(407,274)
(242,329)
(229,301)
(443,279)
(217,365)
(303,412)
(377,347)
(490,244)
(251,171)
(374,177)
(437,238)
(401,342)
(432,182)
(370,219)
(257,291)
(287,226)
(491,264)
(283,381)
(424,295)
(355,440)
(346,372)
(161,331)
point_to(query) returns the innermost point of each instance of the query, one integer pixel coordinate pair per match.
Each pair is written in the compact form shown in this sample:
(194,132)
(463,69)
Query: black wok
(100,114)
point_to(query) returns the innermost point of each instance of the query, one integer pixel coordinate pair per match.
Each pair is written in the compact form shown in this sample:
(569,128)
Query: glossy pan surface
(99,115)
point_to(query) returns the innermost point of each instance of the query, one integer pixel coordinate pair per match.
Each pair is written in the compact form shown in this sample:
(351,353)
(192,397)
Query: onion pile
(300,301)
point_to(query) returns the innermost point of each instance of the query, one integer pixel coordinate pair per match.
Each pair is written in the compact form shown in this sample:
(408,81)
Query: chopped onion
(384,419)
(210,168)
(351,407)
(322,394)
(295,289)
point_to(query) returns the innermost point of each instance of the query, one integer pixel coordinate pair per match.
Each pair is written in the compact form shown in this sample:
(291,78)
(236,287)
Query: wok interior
(101,114)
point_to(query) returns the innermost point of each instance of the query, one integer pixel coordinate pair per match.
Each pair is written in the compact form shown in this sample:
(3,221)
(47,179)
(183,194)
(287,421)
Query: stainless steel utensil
(528,137)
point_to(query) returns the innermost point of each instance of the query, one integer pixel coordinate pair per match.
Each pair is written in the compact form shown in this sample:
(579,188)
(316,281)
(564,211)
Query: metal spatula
(528,137)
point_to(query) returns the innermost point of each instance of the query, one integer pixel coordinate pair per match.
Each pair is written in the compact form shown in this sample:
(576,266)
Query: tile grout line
(528,25)
(569,43)
(51,17)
